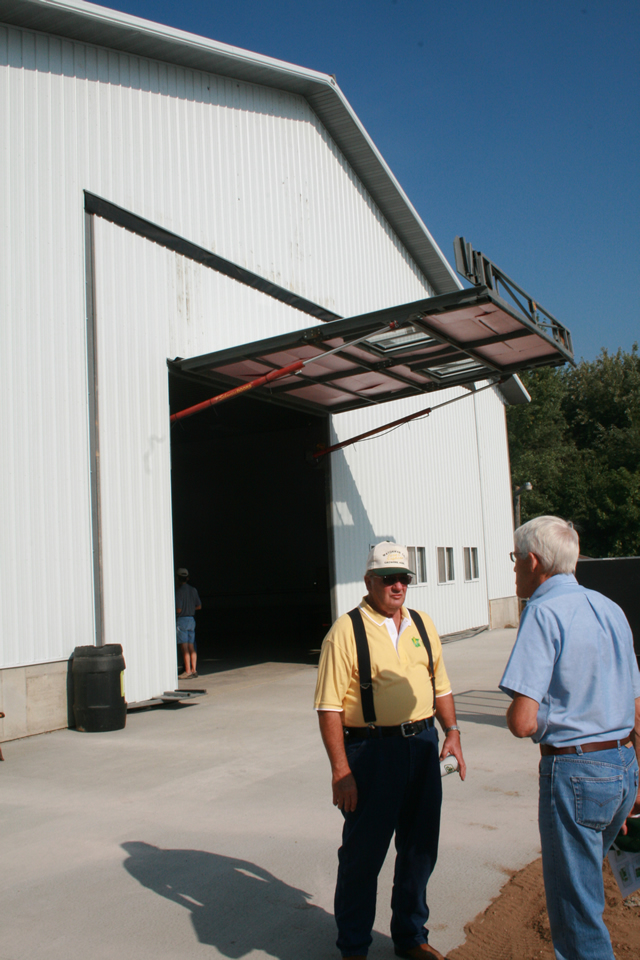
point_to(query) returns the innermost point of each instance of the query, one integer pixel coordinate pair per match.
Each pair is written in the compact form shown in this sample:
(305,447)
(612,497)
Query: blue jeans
(584,800)
(399,790)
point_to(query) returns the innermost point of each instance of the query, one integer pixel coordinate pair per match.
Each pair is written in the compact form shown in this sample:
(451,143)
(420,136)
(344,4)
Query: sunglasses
(404,578)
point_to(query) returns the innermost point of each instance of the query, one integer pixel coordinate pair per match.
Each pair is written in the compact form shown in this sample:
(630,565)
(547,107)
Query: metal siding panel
(153,152)
(247,172)
(152,304)
(211,309)
(121,32)
(135,473)
(46,588)
(496,482)
(417,485)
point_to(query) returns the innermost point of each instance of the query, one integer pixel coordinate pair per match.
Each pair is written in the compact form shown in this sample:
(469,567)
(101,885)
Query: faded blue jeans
(584,800)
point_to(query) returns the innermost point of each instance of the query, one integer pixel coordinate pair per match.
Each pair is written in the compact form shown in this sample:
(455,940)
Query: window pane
(412,561)
(467,563)
(450,572)
(421,569)
(442,575)
(474,563)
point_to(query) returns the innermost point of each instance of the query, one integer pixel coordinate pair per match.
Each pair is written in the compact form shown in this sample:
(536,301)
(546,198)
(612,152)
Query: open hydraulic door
(452,340)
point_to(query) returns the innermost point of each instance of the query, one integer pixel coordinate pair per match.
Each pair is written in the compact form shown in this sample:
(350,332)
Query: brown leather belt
(548,751)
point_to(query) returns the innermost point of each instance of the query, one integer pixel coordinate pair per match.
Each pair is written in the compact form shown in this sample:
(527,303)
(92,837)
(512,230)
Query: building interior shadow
(235,905)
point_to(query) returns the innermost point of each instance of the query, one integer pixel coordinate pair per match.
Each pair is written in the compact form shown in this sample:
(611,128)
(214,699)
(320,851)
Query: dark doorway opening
(250,525)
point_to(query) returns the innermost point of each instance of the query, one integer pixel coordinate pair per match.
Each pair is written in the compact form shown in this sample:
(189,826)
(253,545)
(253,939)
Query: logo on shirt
(415,641)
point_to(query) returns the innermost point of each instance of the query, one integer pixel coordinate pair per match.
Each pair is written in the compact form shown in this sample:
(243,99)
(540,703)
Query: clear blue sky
(515,123)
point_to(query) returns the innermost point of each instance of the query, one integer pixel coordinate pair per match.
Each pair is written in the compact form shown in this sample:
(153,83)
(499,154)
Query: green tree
(578,443)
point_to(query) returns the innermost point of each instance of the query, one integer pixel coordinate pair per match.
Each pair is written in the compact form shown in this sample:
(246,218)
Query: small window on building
(418,562)
(471,563)
(446,572)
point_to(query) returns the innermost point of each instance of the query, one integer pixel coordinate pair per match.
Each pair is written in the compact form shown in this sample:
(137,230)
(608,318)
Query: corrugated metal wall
(421,485)
(495,475)
(244,171)
(132,325)
(46,605)
(151,304)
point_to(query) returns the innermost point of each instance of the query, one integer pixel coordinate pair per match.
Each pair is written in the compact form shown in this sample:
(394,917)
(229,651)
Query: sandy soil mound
(515,925)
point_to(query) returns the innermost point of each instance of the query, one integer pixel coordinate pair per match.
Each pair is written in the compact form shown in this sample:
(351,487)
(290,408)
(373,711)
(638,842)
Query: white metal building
(164,196)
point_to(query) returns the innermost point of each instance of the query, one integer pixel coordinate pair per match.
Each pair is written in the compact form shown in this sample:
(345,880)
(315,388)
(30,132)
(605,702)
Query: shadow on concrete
(237,906)
(223,664)
(482,706)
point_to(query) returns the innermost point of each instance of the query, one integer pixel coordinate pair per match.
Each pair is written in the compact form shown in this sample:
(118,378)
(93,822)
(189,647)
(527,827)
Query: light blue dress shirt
(574,655)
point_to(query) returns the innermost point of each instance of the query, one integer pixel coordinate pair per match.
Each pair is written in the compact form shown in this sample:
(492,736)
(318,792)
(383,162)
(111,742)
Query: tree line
(578,443)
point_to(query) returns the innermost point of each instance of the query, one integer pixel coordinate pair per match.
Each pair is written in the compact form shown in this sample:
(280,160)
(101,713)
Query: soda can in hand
(448,765)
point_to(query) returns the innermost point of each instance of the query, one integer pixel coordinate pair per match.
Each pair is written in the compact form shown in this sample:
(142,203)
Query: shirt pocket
(597,800)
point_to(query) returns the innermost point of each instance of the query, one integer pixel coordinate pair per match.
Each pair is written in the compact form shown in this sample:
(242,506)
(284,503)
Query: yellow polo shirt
(401,680)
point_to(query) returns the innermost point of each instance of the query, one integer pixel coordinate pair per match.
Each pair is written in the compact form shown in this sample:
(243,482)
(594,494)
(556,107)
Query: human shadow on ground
(483,706)
(237,906)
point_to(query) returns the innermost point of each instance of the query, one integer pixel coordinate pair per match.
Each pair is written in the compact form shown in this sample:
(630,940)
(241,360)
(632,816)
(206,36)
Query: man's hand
(446,714)
(453,747)
(345,793)
(343,784)
(635,812)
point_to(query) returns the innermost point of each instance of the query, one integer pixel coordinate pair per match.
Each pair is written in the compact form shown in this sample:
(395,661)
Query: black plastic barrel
(98,688)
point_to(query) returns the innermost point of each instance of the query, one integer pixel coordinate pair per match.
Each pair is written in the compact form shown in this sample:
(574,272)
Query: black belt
(548,751)
(408,729)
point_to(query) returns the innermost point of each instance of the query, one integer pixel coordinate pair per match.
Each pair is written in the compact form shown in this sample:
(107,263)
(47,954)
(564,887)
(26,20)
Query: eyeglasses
(515,556)
(390,578)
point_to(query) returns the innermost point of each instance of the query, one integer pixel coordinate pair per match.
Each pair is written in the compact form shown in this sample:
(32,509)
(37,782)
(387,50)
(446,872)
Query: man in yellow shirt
(381,680)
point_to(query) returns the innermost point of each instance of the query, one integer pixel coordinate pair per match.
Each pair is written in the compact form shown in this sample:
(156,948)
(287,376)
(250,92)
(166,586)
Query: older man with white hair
(575,684)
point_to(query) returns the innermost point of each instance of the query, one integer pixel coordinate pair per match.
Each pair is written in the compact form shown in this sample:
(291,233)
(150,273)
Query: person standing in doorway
(187,602)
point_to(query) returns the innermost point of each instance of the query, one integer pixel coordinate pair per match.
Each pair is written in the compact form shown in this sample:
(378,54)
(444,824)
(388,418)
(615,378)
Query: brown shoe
(422,951)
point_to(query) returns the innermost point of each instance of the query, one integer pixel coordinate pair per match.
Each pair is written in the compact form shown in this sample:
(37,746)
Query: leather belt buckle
(407,729)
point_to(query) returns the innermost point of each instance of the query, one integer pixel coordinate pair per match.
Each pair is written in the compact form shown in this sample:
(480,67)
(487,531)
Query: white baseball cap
(182,572)
(387,557)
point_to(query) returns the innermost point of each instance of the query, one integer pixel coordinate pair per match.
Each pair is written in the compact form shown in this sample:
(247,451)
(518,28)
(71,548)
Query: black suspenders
(364,661)
(422,630)
(364,666)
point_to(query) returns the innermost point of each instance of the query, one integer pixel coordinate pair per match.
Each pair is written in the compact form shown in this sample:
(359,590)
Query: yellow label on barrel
(122,684)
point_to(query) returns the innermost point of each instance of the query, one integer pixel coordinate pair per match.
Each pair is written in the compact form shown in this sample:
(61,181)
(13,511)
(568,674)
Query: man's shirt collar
(388,622)
(380,618)
(554,582)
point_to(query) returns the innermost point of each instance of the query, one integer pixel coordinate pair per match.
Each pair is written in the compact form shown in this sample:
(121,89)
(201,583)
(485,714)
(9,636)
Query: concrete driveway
(207,830)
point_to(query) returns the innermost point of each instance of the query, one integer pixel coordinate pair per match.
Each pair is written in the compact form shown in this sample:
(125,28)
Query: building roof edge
(104,27)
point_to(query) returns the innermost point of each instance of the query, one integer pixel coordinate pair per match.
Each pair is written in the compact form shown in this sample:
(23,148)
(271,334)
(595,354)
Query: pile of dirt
(516,927)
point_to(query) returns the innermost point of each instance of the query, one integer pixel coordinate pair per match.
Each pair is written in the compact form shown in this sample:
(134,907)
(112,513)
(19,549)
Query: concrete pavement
(207,830)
